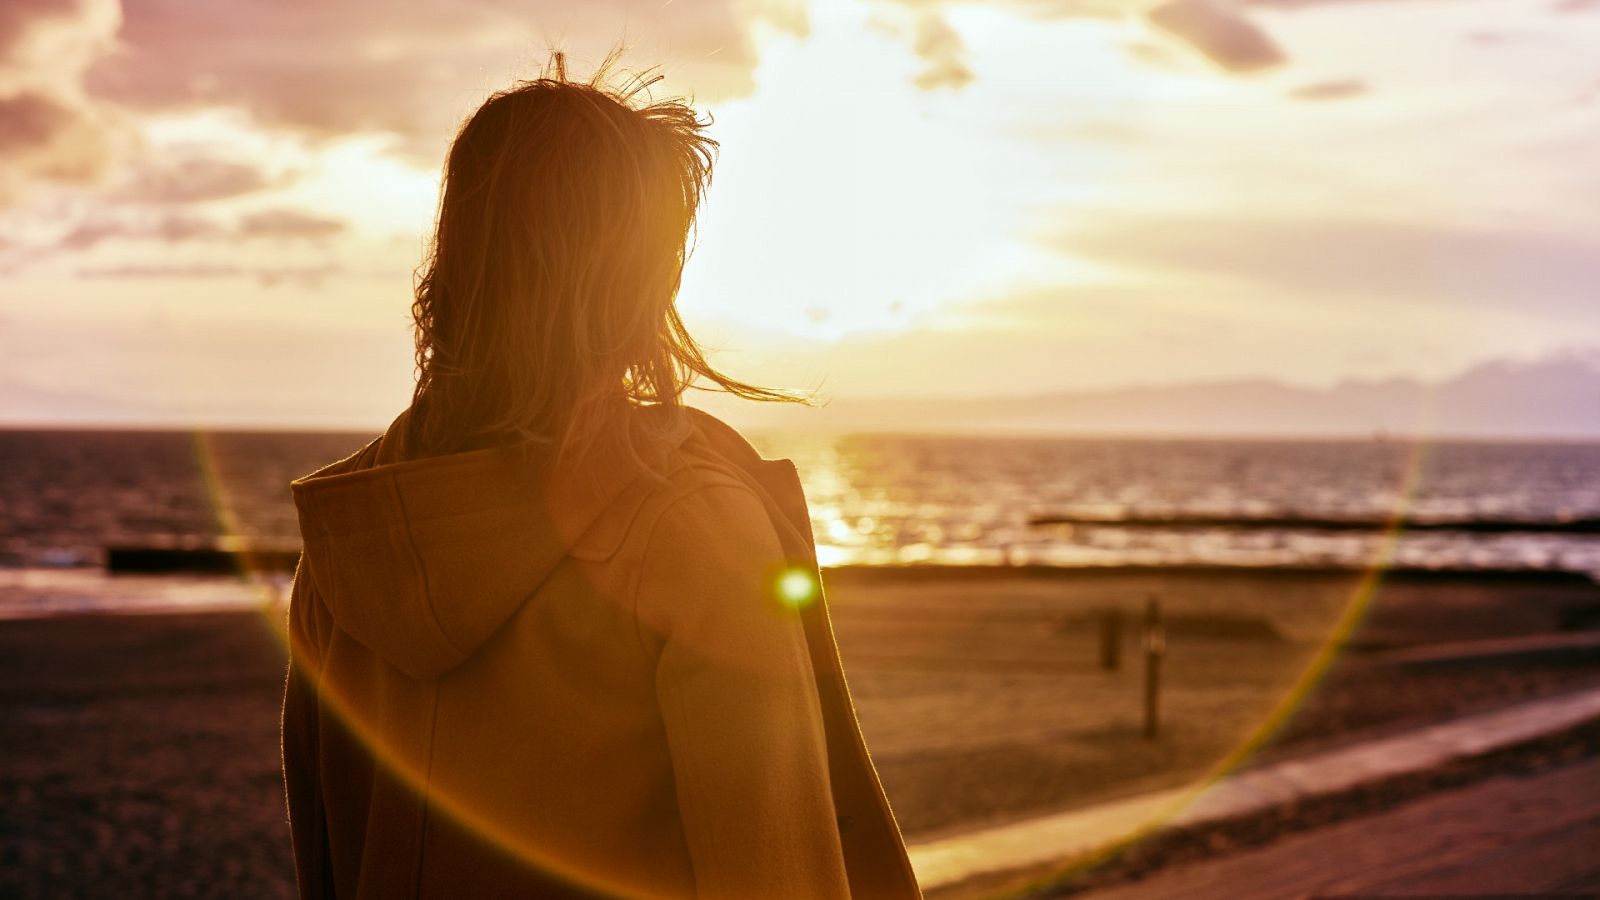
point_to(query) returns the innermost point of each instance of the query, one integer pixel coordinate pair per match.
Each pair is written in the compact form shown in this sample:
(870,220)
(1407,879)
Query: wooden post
(1155,646)
(1111,639)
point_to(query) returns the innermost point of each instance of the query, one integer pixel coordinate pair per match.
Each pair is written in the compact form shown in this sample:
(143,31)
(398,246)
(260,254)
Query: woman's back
(513,677)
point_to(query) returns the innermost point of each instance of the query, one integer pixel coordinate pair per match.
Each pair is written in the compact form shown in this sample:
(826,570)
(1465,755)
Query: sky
(211,213)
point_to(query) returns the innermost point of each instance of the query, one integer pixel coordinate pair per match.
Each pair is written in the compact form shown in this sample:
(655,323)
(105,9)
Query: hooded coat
(510,680)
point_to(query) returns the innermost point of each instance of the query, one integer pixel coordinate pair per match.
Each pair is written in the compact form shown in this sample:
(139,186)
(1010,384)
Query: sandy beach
(983,701)
(141,755)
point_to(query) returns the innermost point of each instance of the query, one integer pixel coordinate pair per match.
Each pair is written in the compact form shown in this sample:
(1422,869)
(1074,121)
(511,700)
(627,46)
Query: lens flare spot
(796,587)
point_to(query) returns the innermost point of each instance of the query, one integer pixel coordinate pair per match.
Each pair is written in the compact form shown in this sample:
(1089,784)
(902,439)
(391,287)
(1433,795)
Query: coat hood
(421,560)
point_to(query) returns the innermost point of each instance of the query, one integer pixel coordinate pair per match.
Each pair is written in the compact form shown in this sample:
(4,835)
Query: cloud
(49,128)
(34,31)
(36,126)
(1222,35)
(267,276)
(1156,55)
(19,17)
(412,69)
(941,48)
(1060,9)
(192,179)
(1330,90)
(1303,4)
(178,228)
(162,270)
(286,224)
(172,229)
(1374,261)
(1216,28)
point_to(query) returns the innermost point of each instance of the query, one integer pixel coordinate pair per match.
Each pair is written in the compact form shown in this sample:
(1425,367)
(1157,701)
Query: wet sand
(140,753)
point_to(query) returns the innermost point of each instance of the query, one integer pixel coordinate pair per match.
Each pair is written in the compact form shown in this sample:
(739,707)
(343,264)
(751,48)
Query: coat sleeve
(303,791)
(739,702)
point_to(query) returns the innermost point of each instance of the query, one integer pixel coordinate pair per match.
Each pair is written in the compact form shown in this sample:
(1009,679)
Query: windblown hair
(545,309)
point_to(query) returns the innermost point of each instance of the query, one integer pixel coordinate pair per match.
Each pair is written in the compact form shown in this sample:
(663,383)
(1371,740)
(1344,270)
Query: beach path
(1510,835)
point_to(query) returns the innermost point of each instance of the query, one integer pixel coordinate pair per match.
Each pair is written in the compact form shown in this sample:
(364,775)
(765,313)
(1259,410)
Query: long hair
(546,306)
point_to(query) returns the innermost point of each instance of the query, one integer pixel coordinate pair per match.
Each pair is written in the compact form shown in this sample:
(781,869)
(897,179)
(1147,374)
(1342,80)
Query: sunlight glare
(360,180)
(846,198)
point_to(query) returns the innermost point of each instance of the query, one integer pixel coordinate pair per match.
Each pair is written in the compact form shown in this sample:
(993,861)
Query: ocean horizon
(67,494)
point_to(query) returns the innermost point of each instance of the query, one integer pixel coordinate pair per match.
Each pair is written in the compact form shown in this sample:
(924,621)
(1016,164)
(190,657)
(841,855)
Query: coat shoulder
(628,522)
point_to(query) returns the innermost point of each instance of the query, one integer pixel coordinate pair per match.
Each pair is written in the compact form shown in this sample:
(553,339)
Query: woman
(554,633)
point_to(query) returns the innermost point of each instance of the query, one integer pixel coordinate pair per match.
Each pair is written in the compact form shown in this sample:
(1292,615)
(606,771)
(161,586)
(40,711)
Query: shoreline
(143,590)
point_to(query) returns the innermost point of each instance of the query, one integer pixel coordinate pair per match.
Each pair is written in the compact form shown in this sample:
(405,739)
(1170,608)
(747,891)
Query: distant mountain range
(1552,398)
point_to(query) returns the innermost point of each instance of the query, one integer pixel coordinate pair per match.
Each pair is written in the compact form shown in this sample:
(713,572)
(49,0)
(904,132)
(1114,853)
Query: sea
(876,500)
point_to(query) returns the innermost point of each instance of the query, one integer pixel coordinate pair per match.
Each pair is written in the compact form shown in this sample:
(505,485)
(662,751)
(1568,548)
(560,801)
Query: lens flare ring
(797,587)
